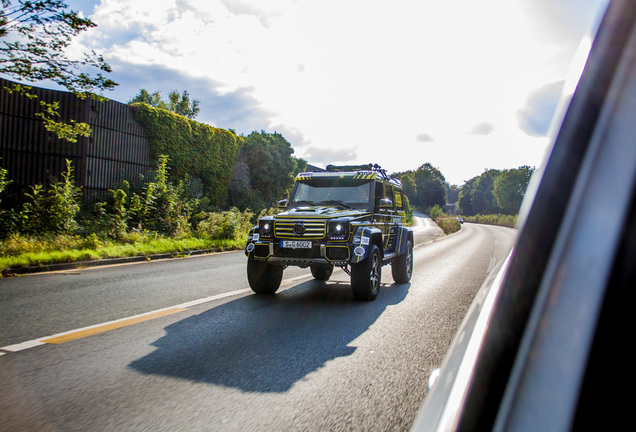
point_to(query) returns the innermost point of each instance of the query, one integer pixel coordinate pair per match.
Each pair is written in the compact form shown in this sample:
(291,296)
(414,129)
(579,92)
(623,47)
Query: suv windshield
(347,194)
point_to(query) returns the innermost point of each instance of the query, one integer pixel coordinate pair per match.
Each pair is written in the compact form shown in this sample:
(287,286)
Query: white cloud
(360,81)
(536,115)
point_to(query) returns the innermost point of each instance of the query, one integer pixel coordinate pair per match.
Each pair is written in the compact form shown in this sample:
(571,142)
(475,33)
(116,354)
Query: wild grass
(449,224)
(509,221)
(52,226)
(21,251)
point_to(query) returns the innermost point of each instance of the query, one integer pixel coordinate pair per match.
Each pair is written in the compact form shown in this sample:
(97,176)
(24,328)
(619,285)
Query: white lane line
(132,319)
(21,346)
(491,264)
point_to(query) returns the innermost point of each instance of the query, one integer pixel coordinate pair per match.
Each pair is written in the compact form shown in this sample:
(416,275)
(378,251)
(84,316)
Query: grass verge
(21,252)
(449,224)
(496,219)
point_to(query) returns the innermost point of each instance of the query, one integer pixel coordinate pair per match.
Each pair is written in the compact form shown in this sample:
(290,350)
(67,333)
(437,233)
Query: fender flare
(403,235)
(362,241)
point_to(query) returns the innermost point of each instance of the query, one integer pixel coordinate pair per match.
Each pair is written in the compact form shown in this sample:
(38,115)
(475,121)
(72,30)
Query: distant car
(352,217)
(546,344)
(461,220)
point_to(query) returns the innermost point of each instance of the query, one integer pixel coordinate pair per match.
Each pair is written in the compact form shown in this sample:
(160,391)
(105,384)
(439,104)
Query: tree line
(493,192)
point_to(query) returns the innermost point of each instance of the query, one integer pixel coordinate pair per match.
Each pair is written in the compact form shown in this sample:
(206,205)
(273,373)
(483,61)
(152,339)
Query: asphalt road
(213,356)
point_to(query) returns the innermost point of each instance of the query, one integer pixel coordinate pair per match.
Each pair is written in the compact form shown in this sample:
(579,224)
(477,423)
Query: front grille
(337,253)
(310,229)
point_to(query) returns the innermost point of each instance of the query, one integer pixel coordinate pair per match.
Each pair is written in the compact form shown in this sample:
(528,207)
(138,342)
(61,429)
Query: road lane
(37,305)
(40,305)
(308,358)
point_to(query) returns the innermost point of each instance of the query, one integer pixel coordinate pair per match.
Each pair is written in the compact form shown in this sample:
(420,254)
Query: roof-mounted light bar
(368,167)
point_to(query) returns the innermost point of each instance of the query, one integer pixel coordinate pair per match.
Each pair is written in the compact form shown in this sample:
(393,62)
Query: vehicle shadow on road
(267,343)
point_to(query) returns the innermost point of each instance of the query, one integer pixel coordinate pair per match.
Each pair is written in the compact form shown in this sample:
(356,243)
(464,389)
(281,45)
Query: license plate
(295,244)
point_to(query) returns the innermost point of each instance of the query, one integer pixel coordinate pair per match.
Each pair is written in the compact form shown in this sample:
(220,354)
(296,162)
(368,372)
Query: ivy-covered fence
(121,146)
(196,150)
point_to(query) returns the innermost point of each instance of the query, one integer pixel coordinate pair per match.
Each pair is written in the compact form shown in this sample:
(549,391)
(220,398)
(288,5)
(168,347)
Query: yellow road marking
(104,327)
(110,326)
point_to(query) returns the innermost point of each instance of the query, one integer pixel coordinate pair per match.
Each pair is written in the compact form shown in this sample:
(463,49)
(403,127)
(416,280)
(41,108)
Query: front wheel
(366,276)
(402,266)
(263,277)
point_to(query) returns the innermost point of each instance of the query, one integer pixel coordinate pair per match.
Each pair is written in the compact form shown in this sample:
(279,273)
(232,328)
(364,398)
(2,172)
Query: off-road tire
(321,273)
(366,276)
(264,278)
(402,266)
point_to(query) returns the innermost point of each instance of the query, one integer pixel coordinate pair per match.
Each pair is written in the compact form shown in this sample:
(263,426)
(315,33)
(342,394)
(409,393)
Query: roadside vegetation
(509,221)
(450,223)
(493,198)
(158,217)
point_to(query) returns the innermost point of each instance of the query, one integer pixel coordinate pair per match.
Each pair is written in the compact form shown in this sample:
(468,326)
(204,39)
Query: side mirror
(386,203)
(282,204)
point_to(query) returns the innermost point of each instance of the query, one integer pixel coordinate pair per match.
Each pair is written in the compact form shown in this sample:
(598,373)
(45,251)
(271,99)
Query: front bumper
(319,253)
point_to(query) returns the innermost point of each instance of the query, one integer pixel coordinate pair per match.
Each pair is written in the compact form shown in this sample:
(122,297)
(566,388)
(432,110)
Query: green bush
(225,225)
(52,210)
(448,224)
(154,219)
(161,207)
(64,202)
(436,212)
(509,221)
(408,210)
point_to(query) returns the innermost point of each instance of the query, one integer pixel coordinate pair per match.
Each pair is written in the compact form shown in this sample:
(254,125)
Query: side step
(388,257)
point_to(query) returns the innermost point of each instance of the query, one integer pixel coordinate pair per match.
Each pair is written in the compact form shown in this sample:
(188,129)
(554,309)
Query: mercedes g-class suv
(352,217)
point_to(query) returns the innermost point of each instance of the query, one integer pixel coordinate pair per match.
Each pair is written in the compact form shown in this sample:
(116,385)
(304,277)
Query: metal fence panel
(117,149)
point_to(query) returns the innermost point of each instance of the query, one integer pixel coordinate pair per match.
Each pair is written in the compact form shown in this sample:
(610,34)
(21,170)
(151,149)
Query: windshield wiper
(340,203)
(311,203)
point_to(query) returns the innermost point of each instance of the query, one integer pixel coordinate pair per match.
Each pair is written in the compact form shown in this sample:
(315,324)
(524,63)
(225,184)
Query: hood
(320,211)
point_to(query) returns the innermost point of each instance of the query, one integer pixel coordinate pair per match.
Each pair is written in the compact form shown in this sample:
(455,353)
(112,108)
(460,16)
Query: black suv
(352,217)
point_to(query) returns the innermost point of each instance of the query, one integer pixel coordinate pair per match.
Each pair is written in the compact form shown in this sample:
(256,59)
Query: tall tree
(452,193)
(33,38)
(430,186)
(181,104)
(465,200)
(152,99)
(432,193)
(510,188)
(484,202)
(177,103)
(424,187)
(271,165)
(409,187)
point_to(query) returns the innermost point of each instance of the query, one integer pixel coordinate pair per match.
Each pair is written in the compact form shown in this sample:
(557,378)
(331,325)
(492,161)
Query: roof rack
(368,167)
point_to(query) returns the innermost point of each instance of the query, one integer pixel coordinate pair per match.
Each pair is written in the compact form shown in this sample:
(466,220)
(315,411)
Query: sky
(462,84)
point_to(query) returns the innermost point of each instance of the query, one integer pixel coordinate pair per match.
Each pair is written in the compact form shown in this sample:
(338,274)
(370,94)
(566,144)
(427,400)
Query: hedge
(195,150)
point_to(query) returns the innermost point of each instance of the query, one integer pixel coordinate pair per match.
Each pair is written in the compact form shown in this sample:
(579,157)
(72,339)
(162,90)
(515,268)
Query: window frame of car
(520,358)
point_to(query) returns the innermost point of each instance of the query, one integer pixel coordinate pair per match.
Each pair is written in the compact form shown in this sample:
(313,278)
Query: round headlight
(338,229)
(266,227)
